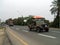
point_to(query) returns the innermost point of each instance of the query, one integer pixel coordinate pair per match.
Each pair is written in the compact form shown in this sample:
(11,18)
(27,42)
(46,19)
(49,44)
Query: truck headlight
(46,26)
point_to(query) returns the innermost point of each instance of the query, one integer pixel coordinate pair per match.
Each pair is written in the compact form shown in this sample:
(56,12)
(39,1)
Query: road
(21,36)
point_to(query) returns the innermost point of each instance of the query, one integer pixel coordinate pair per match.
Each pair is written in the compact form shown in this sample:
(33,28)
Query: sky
(17,8)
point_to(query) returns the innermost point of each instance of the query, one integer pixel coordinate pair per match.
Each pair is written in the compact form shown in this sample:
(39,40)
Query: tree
(56,11)
(20,20)
(55,7)
(46,21)
(15,21)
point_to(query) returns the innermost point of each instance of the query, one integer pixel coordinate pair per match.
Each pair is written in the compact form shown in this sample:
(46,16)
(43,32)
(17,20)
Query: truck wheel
(38,30)
(30,29)
(46,30)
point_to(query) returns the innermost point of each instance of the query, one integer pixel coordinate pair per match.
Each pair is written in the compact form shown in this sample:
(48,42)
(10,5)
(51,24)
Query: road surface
(20,35)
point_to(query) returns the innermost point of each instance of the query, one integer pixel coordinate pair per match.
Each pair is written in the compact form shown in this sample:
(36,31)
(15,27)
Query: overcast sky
(18,8)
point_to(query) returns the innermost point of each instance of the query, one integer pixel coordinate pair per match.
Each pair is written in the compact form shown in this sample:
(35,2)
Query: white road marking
(56,31)
(47,36)
(25,30)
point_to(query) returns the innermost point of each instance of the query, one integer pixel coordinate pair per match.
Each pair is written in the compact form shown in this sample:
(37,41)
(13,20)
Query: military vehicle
(38,24)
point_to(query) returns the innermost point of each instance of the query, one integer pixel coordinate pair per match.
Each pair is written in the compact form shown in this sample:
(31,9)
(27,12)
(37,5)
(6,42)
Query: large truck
(38,24)
(10,22)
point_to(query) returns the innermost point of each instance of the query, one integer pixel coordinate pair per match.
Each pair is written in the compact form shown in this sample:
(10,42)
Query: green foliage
(56,22)
(18,21)
(29,20)
(56,11)
(47,21)
(55,5)
(15,22)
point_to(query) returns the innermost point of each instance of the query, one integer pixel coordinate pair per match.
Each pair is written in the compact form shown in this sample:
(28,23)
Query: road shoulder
(3,37)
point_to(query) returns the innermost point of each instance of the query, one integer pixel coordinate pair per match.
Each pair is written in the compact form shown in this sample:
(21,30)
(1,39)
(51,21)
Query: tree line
(23,20)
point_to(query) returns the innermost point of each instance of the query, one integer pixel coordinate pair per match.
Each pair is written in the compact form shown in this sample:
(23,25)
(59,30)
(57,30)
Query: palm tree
(56,10)
(55,6)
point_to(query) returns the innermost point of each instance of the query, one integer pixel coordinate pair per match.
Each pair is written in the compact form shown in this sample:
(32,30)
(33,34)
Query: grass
(2,27)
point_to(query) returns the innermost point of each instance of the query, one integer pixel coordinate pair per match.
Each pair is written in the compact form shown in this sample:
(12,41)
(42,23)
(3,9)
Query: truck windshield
(41,19)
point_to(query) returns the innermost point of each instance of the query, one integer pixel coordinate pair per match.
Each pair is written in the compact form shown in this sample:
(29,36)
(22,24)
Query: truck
(10,22)
(38,24)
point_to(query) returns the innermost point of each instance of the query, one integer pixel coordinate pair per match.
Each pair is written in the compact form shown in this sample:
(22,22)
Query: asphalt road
(27,37)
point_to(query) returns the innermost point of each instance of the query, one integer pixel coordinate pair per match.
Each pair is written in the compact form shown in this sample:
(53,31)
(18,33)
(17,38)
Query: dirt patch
(3,37)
